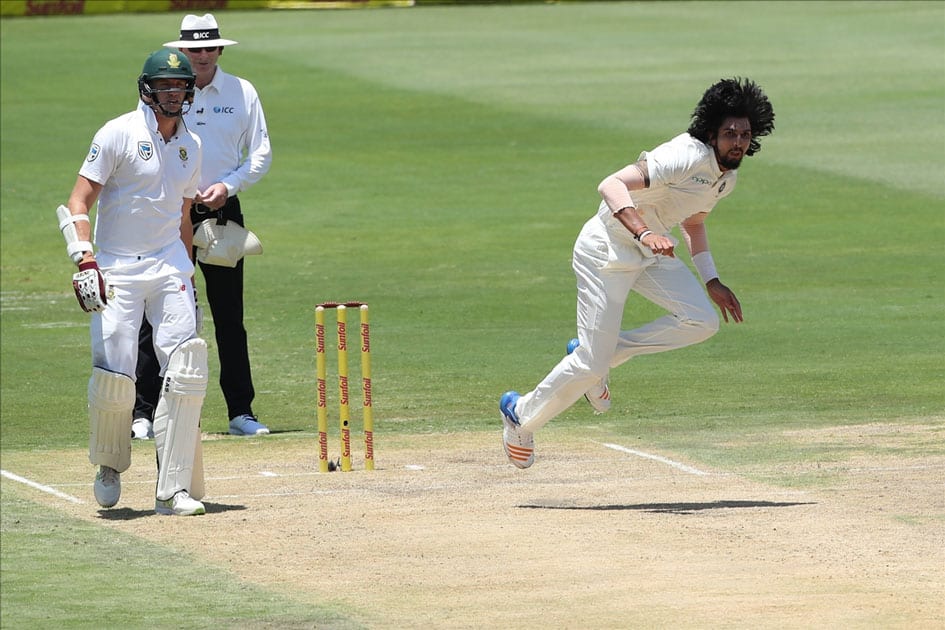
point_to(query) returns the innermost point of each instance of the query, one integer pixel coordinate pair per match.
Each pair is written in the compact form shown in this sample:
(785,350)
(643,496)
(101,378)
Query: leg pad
(177,417)
(111,401)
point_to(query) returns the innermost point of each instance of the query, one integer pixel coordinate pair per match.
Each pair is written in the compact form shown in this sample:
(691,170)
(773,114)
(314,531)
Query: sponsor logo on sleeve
(94,150)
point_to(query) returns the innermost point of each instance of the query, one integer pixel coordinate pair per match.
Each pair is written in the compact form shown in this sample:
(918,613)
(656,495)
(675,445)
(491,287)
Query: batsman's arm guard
(111,403)
(177,419)
(74,246)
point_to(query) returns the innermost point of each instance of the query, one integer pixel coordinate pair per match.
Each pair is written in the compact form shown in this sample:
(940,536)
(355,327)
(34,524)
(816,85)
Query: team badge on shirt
(145,150)
(94,150)
(183,154)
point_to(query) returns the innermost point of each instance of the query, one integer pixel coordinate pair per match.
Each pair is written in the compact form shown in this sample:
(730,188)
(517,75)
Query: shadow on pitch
(130,514)
(226,434)
(673,508)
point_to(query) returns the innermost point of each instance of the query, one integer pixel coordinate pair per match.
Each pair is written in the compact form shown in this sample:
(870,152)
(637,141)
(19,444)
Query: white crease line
(668,462)
(41,487)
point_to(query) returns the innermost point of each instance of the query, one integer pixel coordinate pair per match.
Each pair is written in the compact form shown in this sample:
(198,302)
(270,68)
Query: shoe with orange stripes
(519,444)
(598,395)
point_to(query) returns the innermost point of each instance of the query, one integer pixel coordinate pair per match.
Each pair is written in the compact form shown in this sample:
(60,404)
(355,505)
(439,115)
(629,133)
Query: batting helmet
(165,64)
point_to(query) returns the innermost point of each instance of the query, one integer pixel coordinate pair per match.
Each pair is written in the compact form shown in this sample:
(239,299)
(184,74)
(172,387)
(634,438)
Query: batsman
(142,171)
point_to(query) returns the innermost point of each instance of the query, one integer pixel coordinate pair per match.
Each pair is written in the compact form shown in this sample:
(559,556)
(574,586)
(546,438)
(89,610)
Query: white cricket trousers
(157,286)
(608,265)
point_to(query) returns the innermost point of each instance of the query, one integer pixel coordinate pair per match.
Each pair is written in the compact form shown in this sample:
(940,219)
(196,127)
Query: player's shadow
(220,434)
(130,514)
(673,508)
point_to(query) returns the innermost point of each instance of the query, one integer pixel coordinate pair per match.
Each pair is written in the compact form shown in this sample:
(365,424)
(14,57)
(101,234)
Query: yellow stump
(321,409)
(366,385)
(345,416)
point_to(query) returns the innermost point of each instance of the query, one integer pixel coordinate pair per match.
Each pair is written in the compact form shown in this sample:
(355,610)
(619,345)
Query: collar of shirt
(147,115)
(150,120)
(216,83)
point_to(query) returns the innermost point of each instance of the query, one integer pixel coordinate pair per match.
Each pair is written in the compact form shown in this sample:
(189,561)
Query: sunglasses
(197,50)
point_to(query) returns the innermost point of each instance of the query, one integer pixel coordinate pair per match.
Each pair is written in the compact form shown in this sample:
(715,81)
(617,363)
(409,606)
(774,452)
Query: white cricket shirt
(229,119)
(685,179)
(145,181)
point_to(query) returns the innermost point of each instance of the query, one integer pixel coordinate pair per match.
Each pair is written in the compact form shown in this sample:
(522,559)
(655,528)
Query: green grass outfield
(438,163)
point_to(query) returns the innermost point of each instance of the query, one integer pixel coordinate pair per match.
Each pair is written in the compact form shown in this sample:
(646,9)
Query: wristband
(705,266)
(640,236)
(77,248)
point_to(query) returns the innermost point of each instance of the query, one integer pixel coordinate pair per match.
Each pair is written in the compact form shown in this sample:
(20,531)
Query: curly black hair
(741,98)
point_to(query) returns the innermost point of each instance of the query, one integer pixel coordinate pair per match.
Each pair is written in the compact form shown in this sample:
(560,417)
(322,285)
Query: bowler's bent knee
(701,326)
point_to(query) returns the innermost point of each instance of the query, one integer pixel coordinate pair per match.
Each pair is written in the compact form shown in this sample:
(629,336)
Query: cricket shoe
(247,425)
(107,486)
(599,394)
(181,504)
(519,444)
(142,429)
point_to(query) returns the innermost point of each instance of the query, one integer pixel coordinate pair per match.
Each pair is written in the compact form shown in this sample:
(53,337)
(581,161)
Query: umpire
(229,119)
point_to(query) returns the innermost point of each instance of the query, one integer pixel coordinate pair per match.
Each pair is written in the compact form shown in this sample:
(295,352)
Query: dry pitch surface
(446,534)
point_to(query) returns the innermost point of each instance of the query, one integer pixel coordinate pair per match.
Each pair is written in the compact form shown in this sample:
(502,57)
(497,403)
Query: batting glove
(89,285)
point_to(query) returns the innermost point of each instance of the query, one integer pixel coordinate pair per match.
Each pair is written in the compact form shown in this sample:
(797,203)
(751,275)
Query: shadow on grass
(673,508)
(129,514)
(227,434)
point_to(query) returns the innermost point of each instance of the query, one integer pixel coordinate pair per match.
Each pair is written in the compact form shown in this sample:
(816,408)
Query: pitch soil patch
(446,534)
